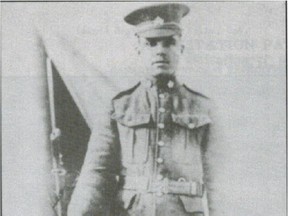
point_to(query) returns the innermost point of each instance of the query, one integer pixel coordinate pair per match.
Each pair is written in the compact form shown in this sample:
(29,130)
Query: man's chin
(158,72)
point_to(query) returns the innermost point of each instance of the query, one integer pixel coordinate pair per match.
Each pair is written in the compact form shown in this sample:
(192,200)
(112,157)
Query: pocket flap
(192,204)
(132,119)
(191,121)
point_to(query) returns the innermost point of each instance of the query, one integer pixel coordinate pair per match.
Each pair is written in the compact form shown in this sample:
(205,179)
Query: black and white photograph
(122,108)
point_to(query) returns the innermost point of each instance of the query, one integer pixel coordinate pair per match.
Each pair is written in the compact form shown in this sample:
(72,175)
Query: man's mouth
(161,62)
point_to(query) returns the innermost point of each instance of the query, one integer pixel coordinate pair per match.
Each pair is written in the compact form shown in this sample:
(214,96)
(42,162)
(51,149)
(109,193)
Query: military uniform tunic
(148,156)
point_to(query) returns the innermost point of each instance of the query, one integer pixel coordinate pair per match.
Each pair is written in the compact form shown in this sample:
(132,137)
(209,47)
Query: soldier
(150,154)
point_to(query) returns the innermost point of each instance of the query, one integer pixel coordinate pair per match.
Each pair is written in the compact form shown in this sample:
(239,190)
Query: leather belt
(166,186)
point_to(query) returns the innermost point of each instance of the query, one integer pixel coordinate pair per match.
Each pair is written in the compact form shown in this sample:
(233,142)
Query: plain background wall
(26,159)
(235,54)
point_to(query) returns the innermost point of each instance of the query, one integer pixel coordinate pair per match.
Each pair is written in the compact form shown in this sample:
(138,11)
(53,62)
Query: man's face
(160,55)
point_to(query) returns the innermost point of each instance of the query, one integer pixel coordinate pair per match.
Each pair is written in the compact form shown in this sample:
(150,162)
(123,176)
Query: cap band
(167,29)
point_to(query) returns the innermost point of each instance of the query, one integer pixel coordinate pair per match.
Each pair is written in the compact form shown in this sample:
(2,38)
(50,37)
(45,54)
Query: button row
(161,143)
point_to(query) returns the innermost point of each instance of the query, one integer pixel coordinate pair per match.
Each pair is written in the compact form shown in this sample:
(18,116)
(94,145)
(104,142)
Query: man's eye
(165,43)
(152,43)
(169,42)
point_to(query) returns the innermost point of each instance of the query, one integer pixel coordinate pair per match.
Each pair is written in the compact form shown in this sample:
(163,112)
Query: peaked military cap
(160,20)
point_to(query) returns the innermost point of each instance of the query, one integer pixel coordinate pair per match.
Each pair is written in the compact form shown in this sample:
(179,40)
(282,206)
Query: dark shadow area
(75,135)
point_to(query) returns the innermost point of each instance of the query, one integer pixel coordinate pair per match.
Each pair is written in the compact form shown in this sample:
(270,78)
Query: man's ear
(138,47)
(182,48)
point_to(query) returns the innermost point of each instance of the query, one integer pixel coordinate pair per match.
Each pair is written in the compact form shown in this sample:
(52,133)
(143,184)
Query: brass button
(191,125)
(161,143)
(161,96)
(161,109)
(159,160)
(161,125)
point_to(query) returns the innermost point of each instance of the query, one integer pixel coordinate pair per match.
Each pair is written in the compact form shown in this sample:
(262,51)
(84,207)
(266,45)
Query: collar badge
(170,84)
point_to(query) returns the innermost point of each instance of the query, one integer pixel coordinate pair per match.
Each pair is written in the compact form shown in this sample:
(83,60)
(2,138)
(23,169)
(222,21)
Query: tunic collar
(140,106)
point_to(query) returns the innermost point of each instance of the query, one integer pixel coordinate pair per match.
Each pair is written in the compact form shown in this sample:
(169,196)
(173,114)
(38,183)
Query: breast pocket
(134,133)
(189,131)
(139,144)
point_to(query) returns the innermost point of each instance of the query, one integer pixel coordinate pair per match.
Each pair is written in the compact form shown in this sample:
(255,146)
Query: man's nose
(160,49)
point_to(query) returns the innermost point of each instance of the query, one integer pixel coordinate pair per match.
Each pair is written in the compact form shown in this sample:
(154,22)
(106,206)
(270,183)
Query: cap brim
(156,33)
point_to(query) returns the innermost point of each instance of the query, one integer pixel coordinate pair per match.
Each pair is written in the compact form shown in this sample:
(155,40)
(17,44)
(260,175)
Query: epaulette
(126,92)
(194,92)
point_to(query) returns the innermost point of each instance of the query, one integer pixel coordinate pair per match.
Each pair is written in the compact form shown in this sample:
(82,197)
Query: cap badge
(158,21)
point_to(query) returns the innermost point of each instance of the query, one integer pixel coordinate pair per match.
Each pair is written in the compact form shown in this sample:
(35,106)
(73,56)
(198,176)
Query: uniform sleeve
(97,185)
(213,161)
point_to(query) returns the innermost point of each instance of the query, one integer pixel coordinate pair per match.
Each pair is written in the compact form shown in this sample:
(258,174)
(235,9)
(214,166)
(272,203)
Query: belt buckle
(158,188)
(196,188)
(165,187)
(193,188)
